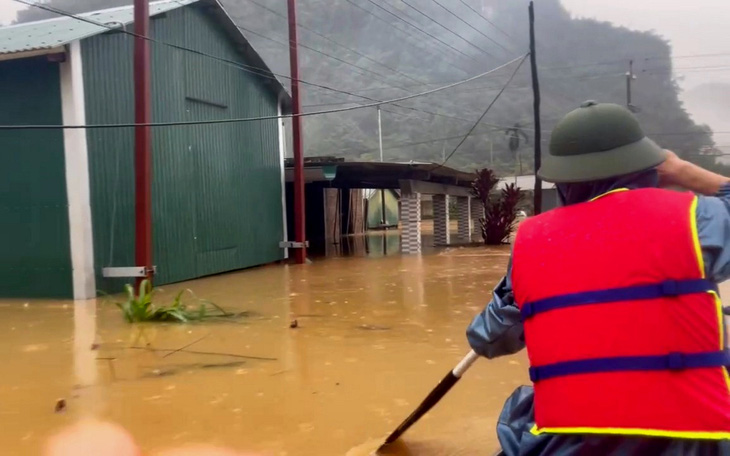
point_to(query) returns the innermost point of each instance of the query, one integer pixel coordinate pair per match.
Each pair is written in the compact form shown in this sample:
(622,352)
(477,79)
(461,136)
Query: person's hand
(671,171)
(105,439)
(680,173)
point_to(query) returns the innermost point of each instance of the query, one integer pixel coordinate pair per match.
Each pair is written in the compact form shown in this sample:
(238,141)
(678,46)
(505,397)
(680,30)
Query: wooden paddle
(433,397)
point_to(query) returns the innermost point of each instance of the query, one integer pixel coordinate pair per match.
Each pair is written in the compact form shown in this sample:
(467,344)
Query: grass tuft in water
(138,307)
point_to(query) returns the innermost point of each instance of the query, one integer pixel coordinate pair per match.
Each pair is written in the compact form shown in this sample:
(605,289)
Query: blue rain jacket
(498,331)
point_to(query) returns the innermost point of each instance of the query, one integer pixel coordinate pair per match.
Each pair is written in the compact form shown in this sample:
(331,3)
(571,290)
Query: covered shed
(330,179)
(67,195)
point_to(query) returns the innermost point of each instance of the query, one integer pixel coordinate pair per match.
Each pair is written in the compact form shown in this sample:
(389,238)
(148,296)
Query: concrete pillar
(477,213)
(463,204)
(441,235)
(411,221)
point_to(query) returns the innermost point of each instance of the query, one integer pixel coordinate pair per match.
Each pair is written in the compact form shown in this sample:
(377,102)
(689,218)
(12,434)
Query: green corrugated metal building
(67,195)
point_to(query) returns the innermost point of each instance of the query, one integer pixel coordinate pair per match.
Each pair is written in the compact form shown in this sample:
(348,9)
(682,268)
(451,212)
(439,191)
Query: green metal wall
(217,197)
(375,209)
(35,257)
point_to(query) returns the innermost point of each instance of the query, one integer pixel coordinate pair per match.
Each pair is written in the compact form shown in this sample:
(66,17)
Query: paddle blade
(432,399)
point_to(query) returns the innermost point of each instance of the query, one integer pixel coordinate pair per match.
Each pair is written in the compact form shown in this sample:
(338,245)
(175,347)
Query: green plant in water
(138,307)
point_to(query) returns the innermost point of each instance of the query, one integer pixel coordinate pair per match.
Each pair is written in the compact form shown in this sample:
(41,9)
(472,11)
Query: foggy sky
(693,27)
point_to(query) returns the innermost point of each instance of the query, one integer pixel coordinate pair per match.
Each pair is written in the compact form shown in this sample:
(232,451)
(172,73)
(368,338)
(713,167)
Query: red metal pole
(299,215)
(142,139)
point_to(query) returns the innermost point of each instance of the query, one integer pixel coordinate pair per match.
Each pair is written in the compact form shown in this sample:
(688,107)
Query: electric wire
(476,124)
(422,31)
(324,37)
(471,26)
(411,35)
(483,51)
(241,66)
(486,19)
(252,119)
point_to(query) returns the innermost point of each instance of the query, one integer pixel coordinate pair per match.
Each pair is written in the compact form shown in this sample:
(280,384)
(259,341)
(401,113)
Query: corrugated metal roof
(523,182)
(50,34)
(56,32)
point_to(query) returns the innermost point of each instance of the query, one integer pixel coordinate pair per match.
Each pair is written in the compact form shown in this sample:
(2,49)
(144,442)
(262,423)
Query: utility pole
(491,153)
(630,77)
(382,191)
(536,94)
(380,134)
(142,141)
(300,231)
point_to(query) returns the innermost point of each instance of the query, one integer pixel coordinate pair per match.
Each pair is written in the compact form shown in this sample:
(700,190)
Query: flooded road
(374,336)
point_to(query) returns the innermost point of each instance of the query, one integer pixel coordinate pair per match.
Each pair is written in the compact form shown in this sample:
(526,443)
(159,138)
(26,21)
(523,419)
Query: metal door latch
(126,272)
(293,245)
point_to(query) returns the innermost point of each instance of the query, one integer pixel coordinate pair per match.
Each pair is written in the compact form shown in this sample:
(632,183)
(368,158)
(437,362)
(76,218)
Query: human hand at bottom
(105,439)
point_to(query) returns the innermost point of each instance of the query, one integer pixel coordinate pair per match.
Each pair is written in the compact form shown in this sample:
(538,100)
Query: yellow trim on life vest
(694,435)
(696,236)
(618,190)
(715,296)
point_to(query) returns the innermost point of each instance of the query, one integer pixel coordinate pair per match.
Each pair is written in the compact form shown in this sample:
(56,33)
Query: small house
(67,194)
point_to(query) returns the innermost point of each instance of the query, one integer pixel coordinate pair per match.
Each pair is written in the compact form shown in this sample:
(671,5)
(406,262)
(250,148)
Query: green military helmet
(598,141)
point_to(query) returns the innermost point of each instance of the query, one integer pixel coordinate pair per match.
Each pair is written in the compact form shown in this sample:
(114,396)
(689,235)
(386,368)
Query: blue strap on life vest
(672,362)
(637,292)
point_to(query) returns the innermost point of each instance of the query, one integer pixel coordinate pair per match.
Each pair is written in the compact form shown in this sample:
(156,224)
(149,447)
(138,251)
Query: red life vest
(623,332)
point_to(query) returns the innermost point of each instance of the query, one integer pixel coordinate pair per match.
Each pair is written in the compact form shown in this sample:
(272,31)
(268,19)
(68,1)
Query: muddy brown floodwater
(374,336)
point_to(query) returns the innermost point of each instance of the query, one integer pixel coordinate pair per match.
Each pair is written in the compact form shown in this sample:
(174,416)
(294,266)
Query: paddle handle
(465,364)
(434,396)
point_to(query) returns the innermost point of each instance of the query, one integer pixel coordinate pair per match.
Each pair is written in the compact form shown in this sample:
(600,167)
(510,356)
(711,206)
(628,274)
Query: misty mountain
(360,51)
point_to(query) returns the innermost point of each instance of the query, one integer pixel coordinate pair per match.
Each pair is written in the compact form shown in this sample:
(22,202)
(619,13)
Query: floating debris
(294,324)
(374,328)
(60,406)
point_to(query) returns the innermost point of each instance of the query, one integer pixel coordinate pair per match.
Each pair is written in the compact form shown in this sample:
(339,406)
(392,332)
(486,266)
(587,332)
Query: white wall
(77,174)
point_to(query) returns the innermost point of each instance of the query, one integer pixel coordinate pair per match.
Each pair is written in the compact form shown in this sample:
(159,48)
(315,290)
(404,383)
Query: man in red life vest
(615,298)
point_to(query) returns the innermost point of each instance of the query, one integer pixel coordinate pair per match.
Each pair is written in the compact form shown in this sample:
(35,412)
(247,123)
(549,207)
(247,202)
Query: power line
(362,69)
(421,30)
(428,141)
(476,124)
(405,2)
(439,50)
(335,42)
(475,89)
(238,65)
(646,59)
(471,26)
(466,89)
(252,119)
(486,19)
(688,56)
